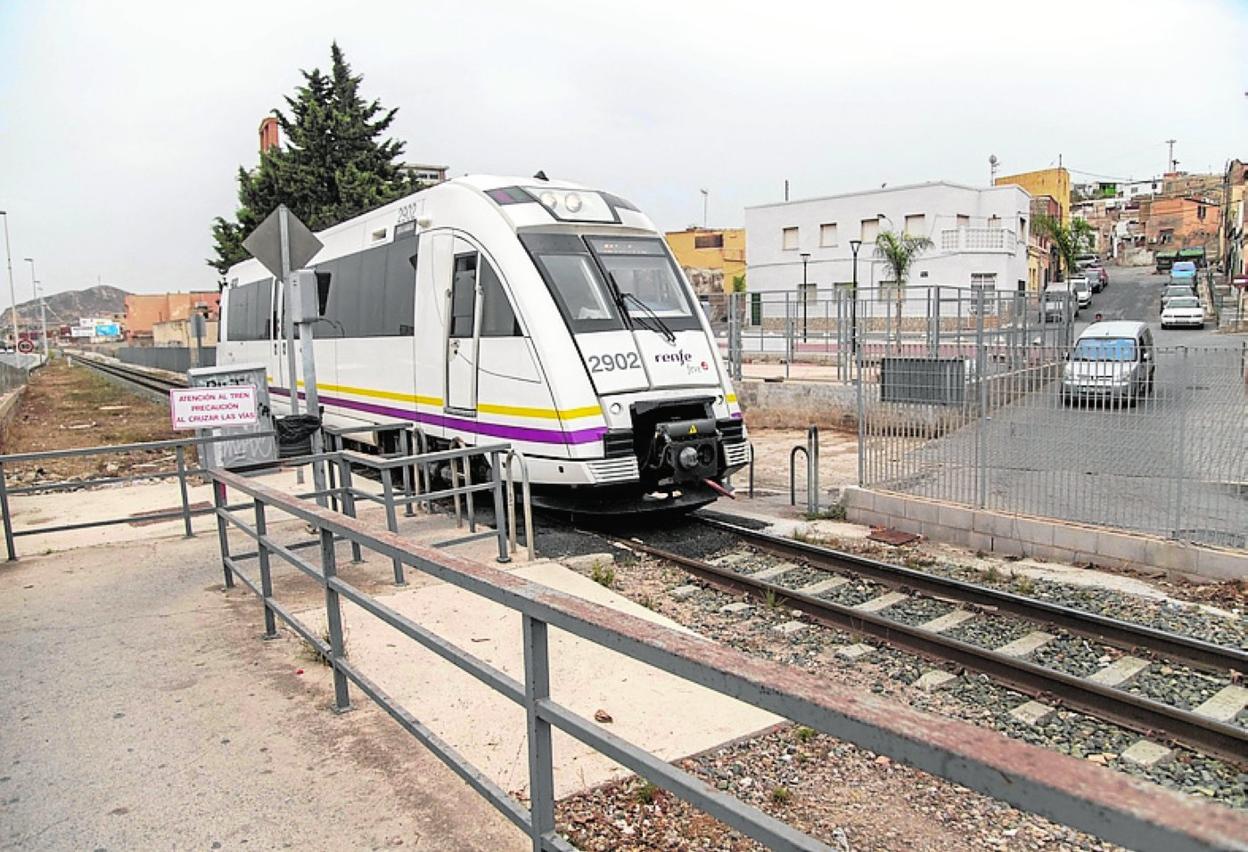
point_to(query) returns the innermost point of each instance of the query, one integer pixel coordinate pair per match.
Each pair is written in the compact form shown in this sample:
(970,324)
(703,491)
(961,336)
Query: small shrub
(780,795)
(603,575)
(772,600)
(992,575)
(1024,584)
(645,794)
(804,733)
(313,653)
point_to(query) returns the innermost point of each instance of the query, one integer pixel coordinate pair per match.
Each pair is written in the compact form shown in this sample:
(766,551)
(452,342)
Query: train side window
(400,292)
(463,295)
(498,319)
(372,293)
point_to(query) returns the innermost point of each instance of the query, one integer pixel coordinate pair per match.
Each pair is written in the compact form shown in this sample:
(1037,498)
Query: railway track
(1103,695)
(147,383)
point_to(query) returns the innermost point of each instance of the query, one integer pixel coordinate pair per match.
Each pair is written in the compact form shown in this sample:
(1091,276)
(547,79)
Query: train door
(463,321)
(276,360)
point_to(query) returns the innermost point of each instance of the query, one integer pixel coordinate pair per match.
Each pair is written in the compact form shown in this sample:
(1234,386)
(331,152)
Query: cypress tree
(332,165)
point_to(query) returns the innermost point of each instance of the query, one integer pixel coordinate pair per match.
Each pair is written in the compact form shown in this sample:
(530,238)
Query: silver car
(1111,361)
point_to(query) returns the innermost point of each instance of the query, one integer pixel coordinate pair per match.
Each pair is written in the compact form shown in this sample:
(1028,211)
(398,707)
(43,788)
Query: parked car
(1183,271)
(1057,298)
(1174,291)
(1183,312)
(1111,361)
(1081,286)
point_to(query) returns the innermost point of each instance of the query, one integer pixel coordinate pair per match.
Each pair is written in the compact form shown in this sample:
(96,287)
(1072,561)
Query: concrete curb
(1041,538)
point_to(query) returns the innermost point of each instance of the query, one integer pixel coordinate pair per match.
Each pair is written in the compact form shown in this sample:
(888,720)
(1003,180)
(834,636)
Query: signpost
(25,347)
(283,243)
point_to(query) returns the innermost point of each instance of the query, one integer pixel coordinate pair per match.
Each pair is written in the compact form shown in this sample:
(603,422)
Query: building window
(963,221)
(708,241)
(870,229)
(789,237)
(1200,212)
(984,281)
(808,292)
(827,234)
(916,225)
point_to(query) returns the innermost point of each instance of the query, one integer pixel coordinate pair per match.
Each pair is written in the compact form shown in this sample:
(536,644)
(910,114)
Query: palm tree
(1070,241)
(899,251)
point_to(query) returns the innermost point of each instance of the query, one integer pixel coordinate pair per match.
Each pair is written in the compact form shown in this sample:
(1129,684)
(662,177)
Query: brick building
(143,312)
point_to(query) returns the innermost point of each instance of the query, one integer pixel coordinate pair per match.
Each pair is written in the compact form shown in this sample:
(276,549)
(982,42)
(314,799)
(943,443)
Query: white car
(1183,312)
(1081,287)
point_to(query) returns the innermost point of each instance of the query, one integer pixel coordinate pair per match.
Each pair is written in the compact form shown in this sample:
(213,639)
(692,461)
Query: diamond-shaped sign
(265,242)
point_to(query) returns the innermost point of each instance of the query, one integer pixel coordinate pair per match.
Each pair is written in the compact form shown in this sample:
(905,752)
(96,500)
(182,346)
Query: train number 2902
(610,363)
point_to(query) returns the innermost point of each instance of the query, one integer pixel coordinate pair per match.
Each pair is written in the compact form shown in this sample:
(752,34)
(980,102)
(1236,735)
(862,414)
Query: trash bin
(294,434)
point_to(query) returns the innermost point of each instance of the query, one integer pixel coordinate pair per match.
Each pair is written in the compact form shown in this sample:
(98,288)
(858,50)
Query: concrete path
(142,711)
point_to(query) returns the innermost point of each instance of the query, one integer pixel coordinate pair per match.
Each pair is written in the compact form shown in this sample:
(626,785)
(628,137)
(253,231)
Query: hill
(65,308)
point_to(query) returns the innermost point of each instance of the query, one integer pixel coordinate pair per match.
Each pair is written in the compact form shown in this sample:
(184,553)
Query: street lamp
(34,289)
(854,245)
(8,253)
(805,296)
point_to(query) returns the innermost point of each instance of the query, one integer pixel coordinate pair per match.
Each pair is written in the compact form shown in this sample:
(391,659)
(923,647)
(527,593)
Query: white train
(534,311)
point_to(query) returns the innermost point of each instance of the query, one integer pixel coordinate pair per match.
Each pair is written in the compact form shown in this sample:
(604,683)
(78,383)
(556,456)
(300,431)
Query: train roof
(522,202)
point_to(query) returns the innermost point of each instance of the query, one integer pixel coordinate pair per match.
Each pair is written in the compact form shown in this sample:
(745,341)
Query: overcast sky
(122,124)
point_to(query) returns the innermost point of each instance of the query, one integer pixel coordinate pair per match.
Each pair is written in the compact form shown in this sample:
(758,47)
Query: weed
(603,575)
(804,734)
(646,793)
(313,653)
(1024,584)
(780,795)
(835,512)
(772,600)
(647,601)
(992,575)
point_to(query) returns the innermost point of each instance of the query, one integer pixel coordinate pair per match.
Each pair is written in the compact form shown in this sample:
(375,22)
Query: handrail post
(333,619)
(812,471)
(500,514)
(750,444)
(223,536)
(348,500)
(335,444)
(405,447)
(793,471)
(392,522)
(541,760)
(180,451)
(526,495)
(8,518)
(266,577)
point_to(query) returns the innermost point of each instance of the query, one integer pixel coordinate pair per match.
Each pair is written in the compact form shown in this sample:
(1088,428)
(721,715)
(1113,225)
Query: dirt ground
(838,459)
(65,407)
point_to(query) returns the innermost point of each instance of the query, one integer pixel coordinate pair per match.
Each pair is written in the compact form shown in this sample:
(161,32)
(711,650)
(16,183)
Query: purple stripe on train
(494,430)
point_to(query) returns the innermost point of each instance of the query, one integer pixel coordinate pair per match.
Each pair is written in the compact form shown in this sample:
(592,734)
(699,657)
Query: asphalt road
(1175,462)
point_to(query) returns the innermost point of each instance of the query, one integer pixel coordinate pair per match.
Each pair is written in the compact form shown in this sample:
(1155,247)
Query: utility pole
(43,318)
(8,253)
(705,197)
(786,184)
(1170,157)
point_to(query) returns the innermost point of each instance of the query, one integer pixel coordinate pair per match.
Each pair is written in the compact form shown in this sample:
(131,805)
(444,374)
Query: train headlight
(688,458)
(549,199)
(572,201)
(573,205)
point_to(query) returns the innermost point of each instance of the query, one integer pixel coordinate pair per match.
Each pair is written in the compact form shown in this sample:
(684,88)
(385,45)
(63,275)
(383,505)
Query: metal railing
(1118,808)
(1149,441)
(12,377)
(827,327)
(341,490)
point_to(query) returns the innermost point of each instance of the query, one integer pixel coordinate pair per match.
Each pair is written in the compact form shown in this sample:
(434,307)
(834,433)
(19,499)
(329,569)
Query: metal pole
(307,339)
(34,285)
(981,463)
(348,500)
(333,619)
(1180,446)
(862,414)
(392,523)
(812,472)
(266,577)
(43,320)
(8,519)
(541,754)
(180,451)
(405,447)
(500,512)
(288,321)
(8,253)
(223,536)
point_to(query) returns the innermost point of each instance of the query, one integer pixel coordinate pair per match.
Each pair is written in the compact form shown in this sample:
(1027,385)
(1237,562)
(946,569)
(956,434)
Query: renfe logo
(678,357)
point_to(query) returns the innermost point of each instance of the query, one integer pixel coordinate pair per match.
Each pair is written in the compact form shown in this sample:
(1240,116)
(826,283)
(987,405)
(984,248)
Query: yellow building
(1051,182)
(711,257)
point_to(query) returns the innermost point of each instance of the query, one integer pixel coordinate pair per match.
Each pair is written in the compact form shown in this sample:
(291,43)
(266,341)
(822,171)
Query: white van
(1111,361)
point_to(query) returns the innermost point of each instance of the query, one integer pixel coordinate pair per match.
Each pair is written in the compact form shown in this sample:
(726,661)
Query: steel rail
(1136,712)
(153,385)
(1124,634)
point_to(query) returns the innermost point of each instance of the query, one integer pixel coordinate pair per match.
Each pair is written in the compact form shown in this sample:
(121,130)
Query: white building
(979,238)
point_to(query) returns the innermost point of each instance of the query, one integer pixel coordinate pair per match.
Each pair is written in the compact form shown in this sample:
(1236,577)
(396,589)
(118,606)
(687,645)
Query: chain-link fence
(823,329)
(12,377)
(1116,431)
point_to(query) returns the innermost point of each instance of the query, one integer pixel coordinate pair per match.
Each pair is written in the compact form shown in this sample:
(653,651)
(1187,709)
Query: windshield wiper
(658,327)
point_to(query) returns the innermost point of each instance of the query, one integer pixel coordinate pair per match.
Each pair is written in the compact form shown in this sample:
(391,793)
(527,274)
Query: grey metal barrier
(811,452)
(175,359)
(1116,807)
(826,327)
(1113,433)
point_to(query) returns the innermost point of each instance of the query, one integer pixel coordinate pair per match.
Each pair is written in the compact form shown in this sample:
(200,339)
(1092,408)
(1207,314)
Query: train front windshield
(642,269)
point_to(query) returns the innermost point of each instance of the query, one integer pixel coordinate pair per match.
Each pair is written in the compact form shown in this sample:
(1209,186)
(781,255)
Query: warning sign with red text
(204,408)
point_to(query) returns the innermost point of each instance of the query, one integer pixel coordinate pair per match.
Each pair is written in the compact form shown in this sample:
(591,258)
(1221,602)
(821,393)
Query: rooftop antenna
(992,169)
(541,175)
(1174,164)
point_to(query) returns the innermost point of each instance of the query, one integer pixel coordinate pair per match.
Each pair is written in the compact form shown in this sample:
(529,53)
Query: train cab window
(249,311)
(498,319)
(463,295)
